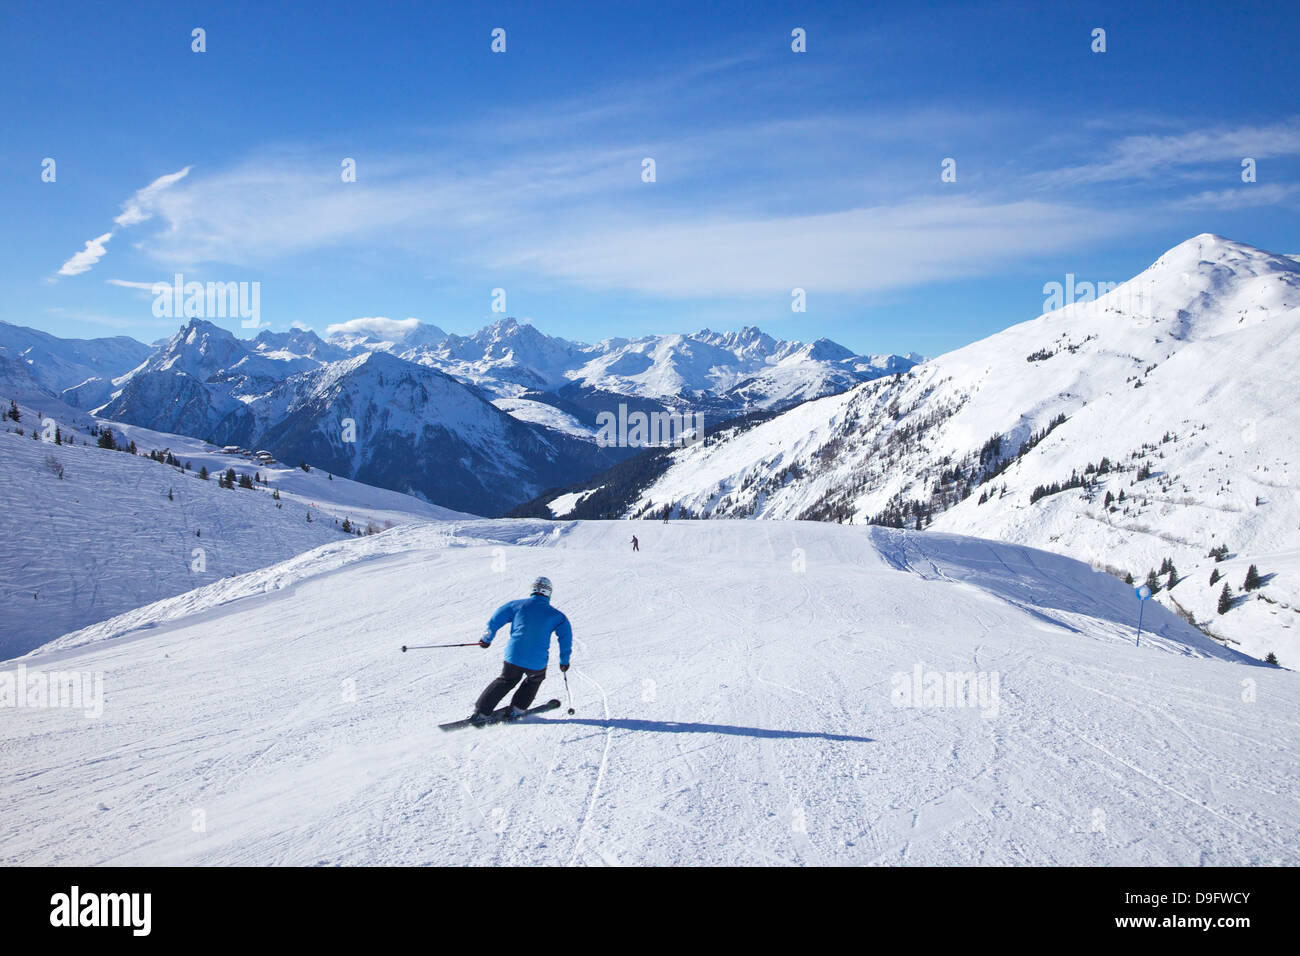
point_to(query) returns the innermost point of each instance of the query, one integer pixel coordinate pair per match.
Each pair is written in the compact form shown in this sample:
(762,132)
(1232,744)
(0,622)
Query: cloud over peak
(378,325)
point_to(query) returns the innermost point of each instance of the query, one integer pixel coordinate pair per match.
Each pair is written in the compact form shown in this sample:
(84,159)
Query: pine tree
(1214,577)
(245,481)
(170,496)
(1153,582)
(106,439)
(1128,577)
(347,526)
(1271,659)
(1252,579)
(1225,599)
(13,411)
(1173,575)
(203,472)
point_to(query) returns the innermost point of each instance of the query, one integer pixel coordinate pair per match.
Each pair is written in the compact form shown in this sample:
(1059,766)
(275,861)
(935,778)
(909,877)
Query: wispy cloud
(1246,196)
(273,207)
(859,250)
(1149,156)
(126,284)
(84,260)
(140,207)
(719,221)
(137,209)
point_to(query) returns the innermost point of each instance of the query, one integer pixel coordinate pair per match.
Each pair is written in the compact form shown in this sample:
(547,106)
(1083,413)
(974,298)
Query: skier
(636,545)
(532,621)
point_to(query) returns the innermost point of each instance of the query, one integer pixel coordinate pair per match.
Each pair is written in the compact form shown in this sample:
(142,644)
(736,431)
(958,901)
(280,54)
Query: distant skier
(532,621)
(636,545)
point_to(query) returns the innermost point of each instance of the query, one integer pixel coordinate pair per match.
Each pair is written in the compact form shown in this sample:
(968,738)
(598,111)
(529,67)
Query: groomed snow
(733,687)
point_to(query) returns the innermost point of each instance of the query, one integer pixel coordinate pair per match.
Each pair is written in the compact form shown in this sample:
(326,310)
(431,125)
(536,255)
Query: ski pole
(567,692)
(425,647)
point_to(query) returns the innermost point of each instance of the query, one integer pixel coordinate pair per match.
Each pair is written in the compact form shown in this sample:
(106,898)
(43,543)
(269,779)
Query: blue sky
(523,170)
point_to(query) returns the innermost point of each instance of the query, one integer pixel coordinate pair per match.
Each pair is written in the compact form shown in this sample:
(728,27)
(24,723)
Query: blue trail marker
(1142,593)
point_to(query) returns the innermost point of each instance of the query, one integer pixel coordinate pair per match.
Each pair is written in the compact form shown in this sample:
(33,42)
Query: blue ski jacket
(532,620)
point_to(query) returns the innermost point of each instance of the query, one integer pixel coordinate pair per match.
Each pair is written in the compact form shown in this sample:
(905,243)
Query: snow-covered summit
(1168,389)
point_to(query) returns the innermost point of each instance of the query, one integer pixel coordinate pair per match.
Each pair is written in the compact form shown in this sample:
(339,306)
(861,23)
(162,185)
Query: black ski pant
(510,675)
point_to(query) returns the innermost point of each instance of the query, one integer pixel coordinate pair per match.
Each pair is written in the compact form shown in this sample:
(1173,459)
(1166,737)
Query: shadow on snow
(677,727)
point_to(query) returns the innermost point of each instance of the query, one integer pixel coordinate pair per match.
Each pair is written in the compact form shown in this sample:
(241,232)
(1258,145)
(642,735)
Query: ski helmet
(542,586)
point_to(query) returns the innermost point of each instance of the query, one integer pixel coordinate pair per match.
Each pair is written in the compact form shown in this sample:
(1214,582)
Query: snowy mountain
(203,380)
(296,343)
(414,429)
(199,378)
(747,693)
(59,364)
(724,372)
(744,370)
(1146,425)
(272,392)
(505,358)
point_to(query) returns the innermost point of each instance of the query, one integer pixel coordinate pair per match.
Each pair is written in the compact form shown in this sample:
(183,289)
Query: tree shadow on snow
(677,727)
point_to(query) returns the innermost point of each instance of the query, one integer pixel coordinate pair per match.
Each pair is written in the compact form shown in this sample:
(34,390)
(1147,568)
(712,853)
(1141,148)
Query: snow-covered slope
(541,413)
(334,495)
(105,537)
(18,384)
(739,689)
(1181,380)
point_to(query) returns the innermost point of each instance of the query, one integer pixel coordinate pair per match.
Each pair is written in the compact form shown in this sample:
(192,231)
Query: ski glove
(484,644)
(564,667)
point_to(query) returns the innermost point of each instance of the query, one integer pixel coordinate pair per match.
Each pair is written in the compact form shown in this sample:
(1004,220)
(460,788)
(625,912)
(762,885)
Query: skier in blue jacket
(532,621)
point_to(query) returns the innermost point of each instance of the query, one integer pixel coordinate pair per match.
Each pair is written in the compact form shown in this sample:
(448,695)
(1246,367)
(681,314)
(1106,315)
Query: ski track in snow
(730,710)
(600,774)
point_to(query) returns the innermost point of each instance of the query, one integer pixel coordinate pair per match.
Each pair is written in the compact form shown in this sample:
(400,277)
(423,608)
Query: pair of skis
(500,716)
